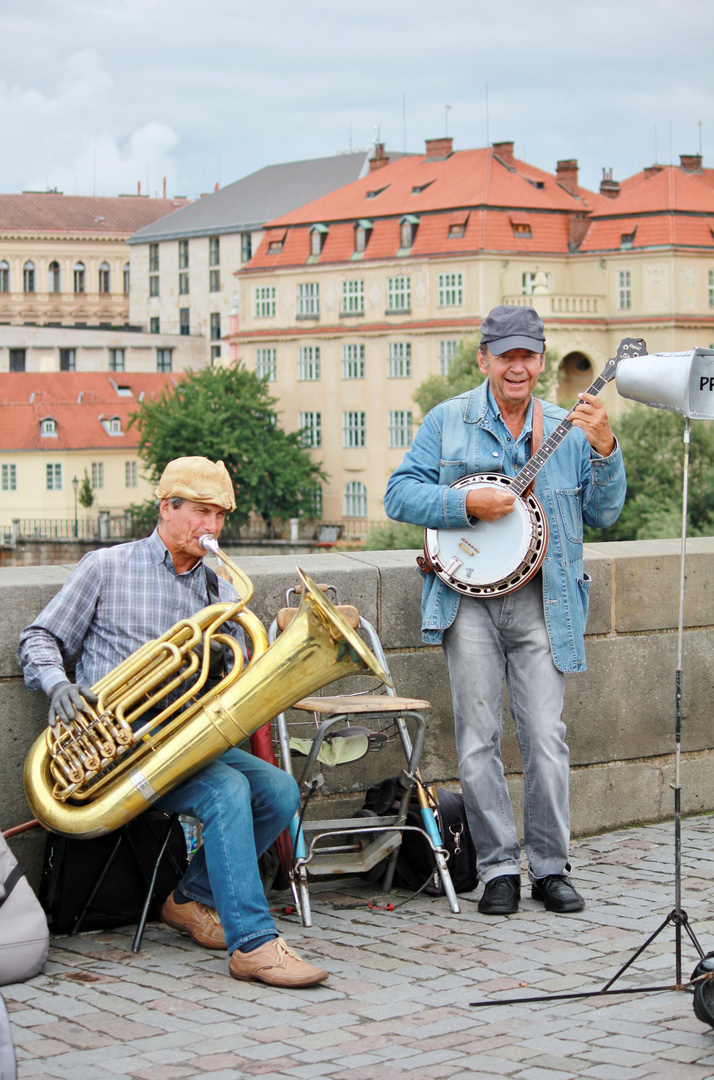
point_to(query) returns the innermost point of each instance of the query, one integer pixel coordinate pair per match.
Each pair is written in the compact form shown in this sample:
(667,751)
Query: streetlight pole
(75,488)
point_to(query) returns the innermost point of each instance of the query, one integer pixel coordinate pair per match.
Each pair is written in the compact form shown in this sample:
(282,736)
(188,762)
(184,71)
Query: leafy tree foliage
(653,449)
(395,535)
(227,414)
(465,375)
(86,495)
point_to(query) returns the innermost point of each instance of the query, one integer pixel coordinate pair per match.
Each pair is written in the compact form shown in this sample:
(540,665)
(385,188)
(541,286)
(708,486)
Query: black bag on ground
(73,868)
(415,862)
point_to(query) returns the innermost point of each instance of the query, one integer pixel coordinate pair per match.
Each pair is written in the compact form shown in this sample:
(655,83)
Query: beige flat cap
(197,479)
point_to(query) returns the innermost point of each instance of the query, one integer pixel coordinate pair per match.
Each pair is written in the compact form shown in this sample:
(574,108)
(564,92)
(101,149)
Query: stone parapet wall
(620,713)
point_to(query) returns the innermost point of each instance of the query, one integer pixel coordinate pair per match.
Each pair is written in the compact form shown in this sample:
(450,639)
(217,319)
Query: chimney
(652,170)
(608,187)
(379,159)
(567,174)
(164,187)
(504,151)
(690,162)
(437,149)
(217,185)
(138,187)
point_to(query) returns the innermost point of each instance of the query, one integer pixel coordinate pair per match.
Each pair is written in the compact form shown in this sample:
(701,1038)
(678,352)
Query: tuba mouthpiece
(209,543)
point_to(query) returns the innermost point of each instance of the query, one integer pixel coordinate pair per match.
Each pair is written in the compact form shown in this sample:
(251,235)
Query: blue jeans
(492,639)
(243,804)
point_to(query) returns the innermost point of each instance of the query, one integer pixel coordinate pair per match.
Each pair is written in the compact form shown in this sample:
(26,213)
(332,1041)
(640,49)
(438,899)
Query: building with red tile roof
(57,426)
(352,300)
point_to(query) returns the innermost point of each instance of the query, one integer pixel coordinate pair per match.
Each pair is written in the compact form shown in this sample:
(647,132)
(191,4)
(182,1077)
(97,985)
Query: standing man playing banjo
(530,632)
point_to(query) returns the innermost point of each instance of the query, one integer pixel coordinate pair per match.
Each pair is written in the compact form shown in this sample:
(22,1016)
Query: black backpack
(415,862)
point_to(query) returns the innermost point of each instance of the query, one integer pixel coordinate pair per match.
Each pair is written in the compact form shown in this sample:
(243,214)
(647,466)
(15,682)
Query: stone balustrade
(620,713)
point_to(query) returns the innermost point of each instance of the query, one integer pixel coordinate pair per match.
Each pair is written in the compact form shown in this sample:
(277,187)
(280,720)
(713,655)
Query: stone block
(24,592)
(399,596)
(608,796)
(647,577)
(24,717)
(599,567)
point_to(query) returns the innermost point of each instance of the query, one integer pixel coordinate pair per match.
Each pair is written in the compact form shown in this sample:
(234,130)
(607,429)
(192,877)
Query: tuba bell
(96,774)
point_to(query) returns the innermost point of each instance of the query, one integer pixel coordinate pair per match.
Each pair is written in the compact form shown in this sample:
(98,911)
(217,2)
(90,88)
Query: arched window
(4,276)
(28,277)
(355,499)
(126,279)
(104,278)
(54,283)
(79,277)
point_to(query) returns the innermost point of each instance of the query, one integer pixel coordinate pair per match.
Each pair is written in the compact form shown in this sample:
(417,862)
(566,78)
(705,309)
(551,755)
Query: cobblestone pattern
(397,1004)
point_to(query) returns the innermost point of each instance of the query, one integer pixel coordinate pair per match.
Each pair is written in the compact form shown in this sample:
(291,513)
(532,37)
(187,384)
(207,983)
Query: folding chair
(376,718)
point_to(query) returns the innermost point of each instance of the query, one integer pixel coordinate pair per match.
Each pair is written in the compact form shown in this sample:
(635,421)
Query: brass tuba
(96,774)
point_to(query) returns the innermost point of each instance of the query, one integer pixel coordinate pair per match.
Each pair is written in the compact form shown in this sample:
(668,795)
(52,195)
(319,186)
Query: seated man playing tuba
(115,600)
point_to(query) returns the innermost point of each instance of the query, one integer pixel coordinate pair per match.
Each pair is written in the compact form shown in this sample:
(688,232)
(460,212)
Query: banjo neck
(627,347)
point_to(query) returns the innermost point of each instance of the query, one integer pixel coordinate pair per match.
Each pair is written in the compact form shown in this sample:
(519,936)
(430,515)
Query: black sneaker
(557,892)
(501,895)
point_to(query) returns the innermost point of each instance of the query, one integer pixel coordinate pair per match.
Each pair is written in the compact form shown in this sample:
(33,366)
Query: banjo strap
(423,561)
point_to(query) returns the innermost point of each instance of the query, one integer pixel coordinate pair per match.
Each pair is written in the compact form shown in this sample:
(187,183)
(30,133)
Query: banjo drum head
(489,558)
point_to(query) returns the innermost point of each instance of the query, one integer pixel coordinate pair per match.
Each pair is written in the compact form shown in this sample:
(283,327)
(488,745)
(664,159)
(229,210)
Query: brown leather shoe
(275,963)
(198,921)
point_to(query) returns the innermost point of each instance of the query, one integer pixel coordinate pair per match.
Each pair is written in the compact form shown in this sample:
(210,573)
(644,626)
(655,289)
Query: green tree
(465,375)
(395,535)
(227,414)
(653,449)
(85,494)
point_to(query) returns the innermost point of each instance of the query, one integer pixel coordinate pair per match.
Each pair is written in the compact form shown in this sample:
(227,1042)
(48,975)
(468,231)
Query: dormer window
(275,243)
(407,231)
(363,228)
(418,188)
(318,235)
(521,224)
(627,240)
(377,191)
(457,226)
(48,427)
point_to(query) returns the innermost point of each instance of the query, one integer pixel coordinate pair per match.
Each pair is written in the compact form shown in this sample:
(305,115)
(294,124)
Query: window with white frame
(79,274)
(153,285)
(68,359)
(131,474)
(53,477)
(163,359)
(105,275)
(451,289)
(711,288)
(400,428)
(215,353)
(624,290)
(310,425)
(48,427)
(183,254)
(399,293)
(185,321)
(528,281)
(9,478)
(154,325)
(447,351)
(246,246)
(355,499)
(266,366)
(183,284)
(214,251)
(153,258)
(28,277)
(353,361)
(4,276)
(55,282)
(127,278)
(354,429)
(17,359)
(318,235)
(214,281)
(353,297)
(116,359)
(215,326)
(308,300)
(264,301)
(308,363)
(97,475)
(399,360)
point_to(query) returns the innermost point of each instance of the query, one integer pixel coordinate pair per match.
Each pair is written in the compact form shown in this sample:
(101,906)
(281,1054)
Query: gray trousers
(489,641)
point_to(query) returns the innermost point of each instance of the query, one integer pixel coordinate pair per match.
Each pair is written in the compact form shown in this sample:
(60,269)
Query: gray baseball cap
(506,328)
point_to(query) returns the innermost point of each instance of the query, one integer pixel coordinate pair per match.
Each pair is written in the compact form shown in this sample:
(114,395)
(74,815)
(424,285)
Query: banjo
(494,558)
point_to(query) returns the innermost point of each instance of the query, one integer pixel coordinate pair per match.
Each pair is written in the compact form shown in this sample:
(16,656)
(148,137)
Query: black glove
(65,699)
(216,665)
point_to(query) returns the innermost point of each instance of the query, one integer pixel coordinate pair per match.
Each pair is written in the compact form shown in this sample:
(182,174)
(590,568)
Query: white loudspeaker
(682,382)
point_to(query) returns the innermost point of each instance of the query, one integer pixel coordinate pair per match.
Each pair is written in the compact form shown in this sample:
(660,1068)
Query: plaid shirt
(113,602)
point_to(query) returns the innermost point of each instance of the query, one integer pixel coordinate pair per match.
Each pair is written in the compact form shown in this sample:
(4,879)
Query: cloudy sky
(96,95)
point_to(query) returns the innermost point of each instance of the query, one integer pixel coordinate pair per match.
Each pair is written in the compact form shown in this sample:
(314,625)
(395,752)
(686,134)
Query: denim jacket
(576,485)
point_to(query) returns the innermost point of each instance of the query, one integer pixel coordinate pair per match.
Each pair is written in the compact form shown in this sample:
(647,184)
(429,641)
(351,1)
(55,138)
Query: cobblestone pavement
(397,1003)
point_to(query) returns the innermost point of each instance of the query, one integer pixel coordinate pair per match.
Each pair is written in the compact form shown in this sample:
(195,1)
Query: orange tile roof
(43,212)
(78,402)
(473,183)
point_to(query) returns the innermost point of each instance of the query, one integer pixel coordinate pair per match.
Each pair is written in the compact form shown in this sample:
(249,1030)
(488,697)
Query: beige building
(182,266)
(352,301)
(57,426)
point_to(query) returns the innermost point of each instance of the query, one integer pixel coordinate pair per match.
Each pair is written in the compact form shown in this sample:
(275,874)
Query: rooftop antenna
(488,137)
(377,128)
(446,121)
